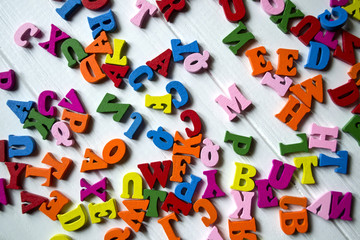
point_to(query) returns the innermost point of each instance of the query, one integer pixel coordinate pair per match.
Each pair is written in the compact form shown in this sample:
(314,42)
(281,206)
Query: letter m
(236,104)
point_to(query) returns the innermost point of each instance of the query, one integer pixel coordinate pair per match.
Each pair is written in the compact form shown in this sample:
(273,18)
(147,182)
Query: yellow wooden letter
(60,237)
(306,162)
(242,180)
(137,182)
(74,219)
(159,102)
(115,59)
(104,209)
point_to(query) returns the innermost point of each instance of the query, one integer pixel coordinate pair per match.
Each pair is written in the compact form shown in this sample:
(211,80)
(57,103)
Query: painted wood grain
(205,22)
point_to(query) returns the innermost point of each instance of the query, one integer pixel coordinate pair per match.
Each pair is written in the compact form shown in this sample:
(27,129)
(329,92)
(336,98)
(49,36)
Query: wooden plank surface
(204,21)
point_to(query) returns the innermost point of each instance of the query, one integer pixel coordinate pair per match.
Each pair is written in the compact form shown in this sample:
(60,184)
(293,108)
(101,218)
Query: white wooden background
(204,21)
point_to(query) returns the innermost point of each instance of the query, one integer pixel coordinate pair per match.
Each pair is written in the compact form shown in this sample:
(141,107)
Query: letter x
(56,35)
(98,189)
